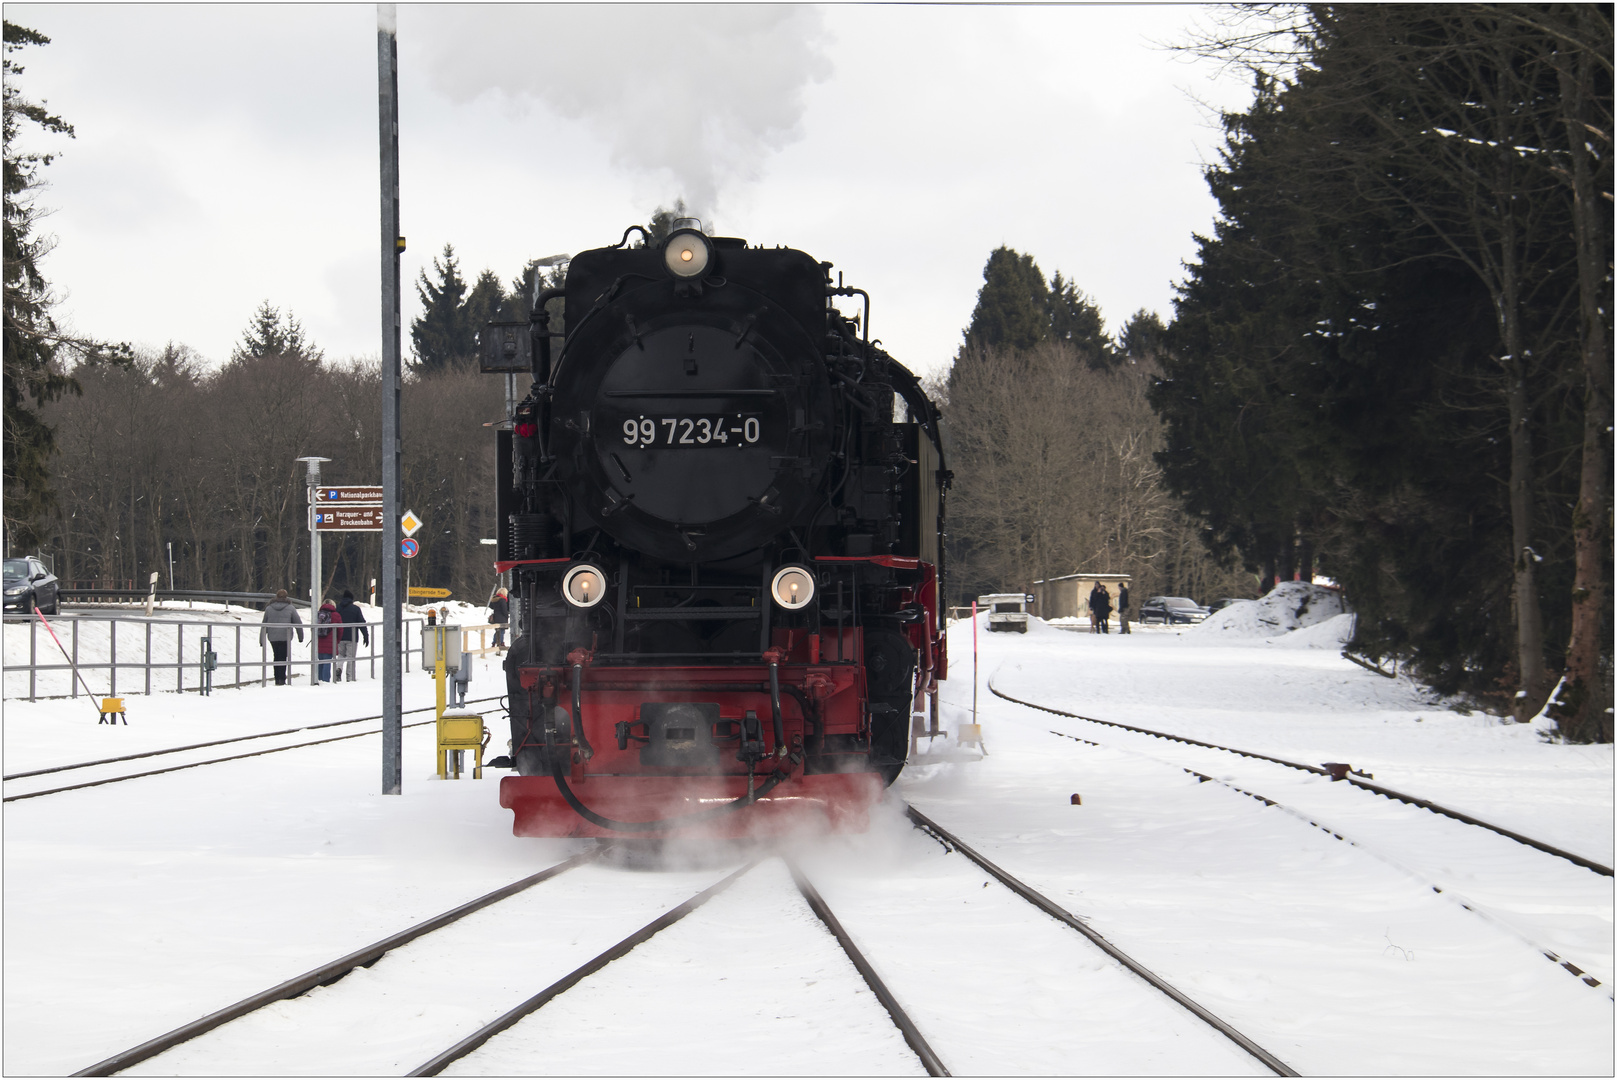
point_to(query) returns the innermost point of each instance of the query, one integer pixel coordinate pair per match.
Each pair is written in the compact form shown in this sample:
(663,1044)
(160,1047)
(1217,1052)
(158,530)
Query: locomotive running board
(819,803)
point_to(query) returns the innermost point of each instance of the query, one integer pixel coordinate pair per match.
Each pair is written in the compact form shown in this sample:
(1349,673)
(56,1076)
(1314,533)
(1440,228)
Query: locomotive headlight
(583,586)
(687,253)
(792,587)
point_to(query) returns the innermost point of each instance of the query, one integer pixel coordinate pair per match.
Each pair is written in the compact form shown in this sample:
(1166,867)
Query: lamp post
(312,482)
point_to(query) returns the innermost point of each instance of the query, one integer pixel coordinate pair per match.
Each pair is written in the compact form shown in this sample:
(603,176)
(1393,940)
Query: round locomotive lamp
(687,253)
(583,586)
(792,587)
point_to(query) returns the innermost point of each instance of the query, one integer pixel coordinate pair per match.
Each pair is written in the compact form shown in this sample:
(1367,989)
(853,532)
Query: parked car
(1172,609)
(28,585)
(1006,611)
(1224,602)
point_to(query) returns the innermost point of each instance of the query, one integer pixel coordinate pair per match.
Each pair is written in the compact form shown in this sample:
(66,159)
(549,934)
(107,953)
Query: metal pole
(312,481)
(387,69)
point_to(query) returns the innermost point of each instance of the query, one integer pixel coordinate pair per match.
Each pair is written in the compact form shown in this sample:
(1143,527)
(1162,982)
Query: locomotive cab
(725,551)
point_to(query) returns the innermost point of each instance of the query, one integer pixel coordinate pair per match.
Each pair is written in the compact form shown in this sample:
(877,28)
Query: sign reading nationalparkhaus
(345,508)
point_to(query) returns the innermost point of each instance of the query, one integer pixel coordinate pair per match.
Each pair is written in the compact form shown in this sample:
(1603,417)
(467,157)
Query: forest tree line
(1391,357)
(1052,440)
(166,449)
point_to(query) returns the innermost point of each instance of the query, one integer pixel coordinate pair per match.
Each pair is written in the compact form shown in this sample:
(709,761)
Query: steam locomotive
(725,551)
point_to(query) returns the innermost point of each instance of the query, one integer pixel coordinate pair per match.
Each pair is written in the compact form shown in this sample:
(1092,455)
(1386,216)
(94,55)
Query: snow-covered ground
(134,907)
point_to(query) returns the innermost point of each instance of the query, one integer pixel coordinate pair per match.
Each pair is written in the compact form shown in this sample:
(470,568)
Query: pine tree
(483,303)
(271,334)
(1075,320)
(1013,306)
(1141,337)
(33,376)
(440,334)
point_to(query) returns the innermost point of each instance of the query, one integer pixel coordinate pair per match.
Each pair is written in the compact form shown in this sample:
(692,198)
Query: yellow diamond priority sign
(410,523)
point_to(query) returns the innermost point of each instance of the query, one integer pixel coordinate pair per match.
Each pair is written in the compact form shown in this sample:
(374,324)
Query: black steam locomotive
(725,551)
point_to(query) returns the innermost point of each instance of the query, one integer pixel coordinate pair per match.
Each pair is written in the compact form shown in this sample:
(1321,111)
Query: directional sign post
(348,518)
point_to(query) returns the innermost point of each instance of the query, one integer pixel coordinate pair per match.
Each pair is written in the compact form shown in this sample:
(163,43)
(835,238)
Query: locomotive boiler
(721,507)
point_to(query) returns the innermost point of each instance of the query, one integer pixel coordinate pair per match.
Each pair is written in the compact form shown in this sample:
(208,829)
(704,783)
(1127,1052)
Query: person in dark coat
(280,619)
(353,628)
(1123,608)
(499,613)
(1100,609)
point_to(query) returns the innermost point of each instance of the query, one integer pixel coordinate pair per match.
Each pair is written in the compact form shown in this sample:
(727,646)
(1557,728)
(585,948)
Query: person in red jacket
(326,640)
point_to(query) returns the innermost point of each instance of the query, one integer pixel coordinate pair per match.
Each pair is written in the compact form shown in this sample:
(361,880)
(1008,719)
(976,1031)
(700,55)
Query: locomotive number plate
(731,429)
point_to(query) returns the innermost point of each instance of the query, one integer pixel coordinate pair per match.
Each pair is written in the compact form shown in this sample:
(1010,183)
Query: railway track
(228,1035)
(1341,772)
(79,771)
(1344,834)
(324,975)
(409,966)
(953,843)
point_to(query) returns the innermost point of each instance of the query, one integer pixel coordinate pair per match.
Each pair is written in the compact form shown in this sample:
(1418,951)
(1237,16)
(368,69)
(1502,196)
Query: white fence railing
(143,654)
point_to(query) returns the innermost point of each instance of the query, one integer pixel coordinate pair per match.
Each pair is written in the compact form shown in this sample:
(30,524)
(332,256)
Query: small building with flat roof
(1068,596)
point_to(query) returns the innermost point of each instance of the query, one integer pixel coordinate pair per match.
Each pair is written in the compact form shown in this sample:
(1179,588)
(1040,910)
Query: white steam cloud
(703,91)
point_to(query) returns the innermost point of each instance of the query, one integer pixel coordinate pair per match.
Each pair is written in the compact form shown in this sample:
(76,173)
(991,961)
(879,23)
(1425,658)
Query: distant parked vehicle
(1224,602)
(29,585)
(1172,609)
(1006,611)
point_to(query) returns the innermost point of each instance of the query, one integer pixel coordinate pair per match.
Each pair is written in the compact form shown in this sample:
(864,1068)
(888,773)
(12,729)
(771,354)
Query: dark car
(29,585)
(1171,609)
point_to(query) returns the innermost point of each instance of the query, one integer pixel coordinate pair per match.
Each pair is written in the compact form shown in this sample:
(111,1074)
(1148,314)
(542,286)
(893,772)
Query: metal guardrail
(77,631)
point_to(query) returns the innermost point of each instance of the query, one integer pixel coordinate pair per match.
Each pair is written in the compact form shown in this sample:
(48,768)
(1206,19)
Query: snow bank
(1289,606)
(1333,633)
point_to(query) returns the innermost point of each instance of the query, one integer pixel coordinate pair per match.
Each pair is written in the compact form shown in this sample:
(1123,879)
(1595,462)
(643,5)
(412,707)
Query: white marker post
(972,734)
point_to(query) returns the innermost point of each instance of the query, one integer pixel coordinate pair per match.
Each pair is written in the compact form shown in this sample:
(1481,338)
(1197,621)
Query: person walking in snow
(1100,609)
(280,619)
(499,613)
(353,621)
(326,641)
(1122,607)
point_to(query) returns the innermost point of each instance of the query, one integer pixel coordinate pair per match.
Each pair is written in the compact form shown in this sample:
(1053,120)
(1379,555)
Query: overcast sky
(227,155)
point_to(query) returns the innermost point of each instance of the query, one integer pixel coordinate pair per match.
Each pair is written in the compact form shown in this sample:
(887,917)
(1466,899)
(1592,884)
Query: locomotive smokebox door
(681,734)
(507,347)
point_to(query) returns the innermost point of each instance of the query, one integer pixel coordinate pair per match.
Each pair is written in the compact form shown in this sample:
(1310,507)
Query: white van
(1006,611)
